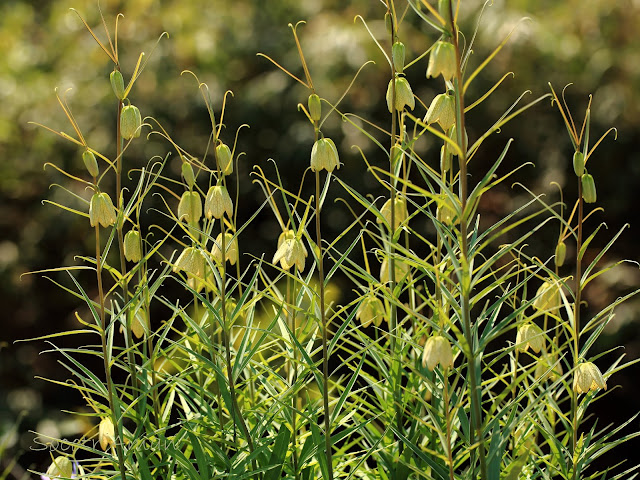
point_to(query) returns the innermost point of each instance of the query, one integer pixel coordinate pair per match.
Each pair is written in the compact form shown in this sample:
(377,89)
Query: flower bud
(400,211)
(291,251)
(190,207)
(446,212)
(442,110)
(225,162)
(387,23)
(191,261)
(188,175)
(101,210)
(404,95)
(401,270)
(324,154)
(442,60)
(370,310)
(218,202)
(548,367)
(130,122)
(133,246)
(588,377)
(139,323)
(117,83)
(453,135)
(437,350)
(315,107)
(548,297)
(561,253)
(588,188)
(90,163)
(397,52)
(397,155)
(529,335)
(445,159)
(444,9)
(230,246)
(578,163)
(106,433)
(61,467)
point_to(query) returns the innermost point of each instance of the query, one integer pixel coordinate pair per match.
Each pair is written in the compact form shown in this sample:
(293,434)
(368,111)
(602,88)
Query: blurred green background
(43,45)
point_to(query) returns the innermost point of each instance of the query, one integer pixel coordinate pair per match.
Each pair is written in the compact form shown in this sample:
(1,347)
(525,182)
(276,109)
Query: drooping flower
(133,246)
(370,310)
(446,212)
(442,60)
(400,215)
(404,95)
(530,335)
(401,270)
(588,377)
(437,350)
(442,111)
(548,366)
(101,210)
(324,154)
(548,299)
(191,261)
(106,433)
(291,251)
(218,202)
(190,207)
(63,467)
(230,246)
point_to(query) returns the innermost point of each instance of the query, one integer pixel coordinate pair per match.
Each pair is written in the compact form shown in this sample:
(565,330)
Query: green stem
(325,341)
(576,332)
(235,409)
(474,382)
(107,360)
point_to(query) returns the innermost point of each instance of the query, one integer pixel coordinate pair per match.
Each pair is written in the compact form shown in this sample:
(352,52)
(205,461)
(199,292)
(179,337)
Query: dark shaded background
(43,45)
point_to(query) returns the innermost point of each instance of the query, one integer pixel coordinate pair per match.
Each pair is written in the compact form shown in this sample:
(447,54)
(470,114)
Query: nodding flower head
(530,335)
(442,111)
(401,270)
(371,310)
(133,246)
(190,207)
(437,350)
(400,214)
(442,61)
(230,246)
(291,251)
(404,95)
(324,155)
(548,297)
(106,433)
(588,377)
(101,210)
(191,261)
(63,467)
(218,202)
